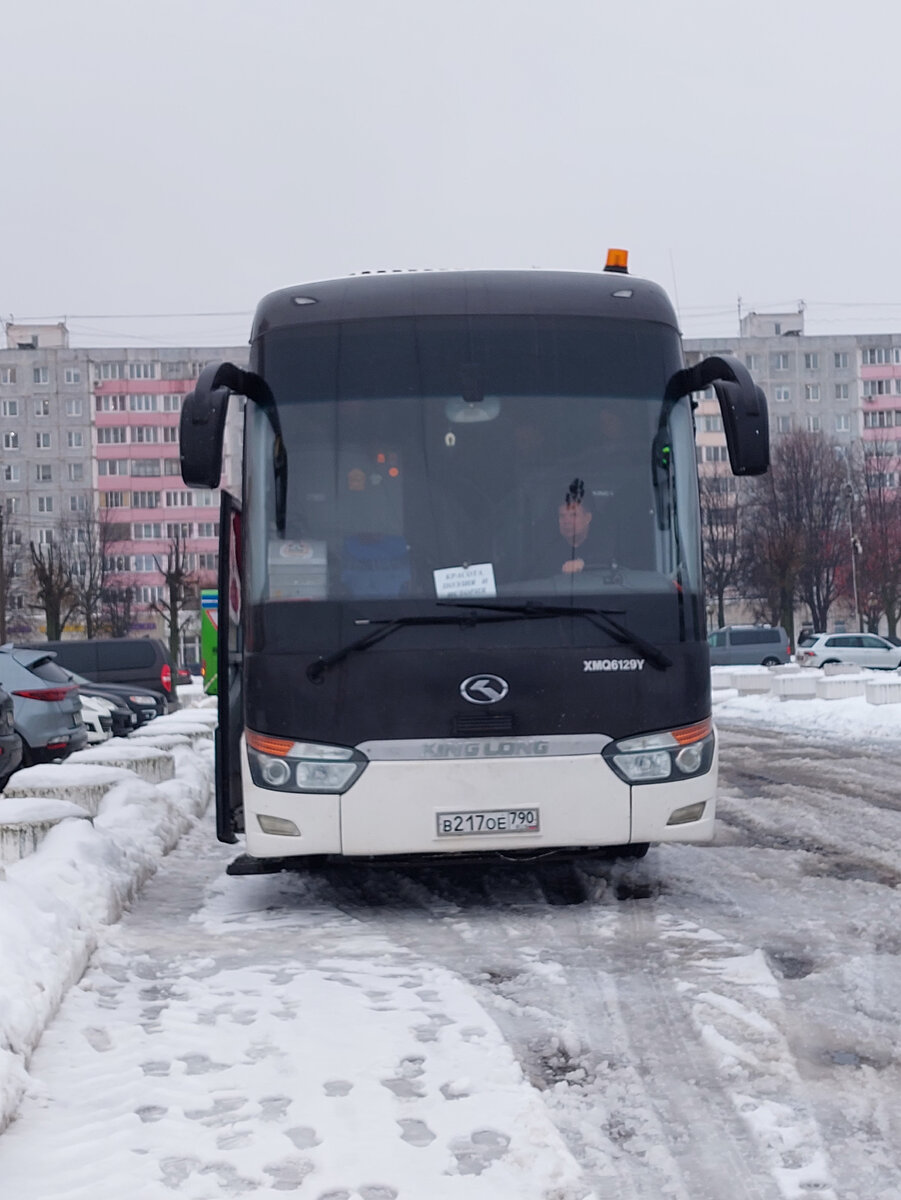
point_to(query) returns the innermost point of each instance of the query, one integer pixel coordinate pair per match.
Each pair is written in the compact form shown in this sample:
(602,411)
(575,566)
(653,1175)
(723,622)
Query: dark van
(742,645)
(138,662)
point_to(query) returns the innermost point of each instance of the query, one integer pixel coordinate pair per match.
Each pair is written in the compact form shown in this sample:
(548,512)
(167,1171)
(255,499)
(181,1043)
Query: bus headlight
(669,754)
(282,765)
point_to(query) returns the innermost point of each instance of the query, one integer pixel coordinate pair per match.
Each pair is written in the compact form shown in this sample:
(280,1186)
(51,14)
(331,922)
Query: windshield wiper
(316,670)
(600,617)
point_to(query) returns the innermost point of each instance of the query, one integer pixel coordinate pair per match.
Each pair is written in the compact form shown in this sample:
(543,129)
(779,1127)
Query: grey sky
(187,156)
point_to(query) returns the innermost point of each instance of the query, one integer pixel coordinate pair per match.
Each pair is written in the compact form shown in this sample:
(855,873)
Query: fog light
(275,771)
(687,814)
(277,825)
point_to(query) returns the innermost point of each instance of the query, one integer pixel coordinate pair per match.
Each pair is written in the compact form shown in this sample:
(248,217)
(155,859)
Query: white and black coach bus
(461,600)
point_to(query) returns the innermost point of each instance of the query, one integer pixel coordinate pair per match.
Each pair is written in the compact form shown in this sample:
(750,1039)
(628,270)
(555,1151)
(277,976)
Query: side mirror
(742,404)
(202,428)
(201,433)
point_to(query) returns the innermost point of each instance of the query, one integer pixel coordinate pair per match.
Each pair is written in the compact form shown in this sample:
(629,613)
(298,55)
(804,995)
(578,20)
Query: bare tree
(181,588)
(878,535)
(90,538)
(720,535)
(10,565)
(813,467)
(52,575)
(117,607)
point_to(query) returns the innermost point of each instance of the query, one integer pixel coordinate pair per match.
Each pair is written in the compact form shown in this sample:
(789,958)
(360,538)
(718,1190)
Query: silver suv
(46,705)
(863,649)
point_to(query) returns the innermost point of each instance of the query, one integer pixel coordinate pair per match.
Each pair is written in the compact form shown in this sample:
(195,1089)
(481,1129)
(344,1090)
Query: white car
(862,649)
(97,719)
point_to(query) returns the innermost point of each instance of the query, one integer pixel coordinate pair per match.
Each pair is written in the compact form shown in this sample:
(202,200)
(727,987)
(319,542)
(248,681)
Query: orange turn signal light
(274,746)
(692,733)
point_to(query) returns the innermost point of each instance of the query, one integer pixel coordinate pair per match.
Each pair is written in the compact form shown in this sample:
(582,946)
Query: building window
(10,408)
(7,374)
(145,563)
(75,472)
(842,423)
(112,466)
(170,434)
(43,441)
(171,466)
(811,391)
(179,499)
(208,562)
(74,406)
(75,439)
(712,424)
(813,424)
(145,434)
(41,374)
(45,537)
(208,529)
(12,473)
(145,466)
(142,402)
(111,435)
(42,407)
(752,362)
(783,424)
(142,370)
(782,394)
(149,595)
(147,530)
(840,360)
(781,361)
(811,362)
(110,370)
(877,387)
(78,503)
(13,505)
(882,418)
(171,402)
(715,454)
(43,473)
(114,499)
(181,529)
(206,499)
(841,391)
(10,441)
(45,504)
(14,537)
(146,499)
(72,375)
(113,403)
(875,356)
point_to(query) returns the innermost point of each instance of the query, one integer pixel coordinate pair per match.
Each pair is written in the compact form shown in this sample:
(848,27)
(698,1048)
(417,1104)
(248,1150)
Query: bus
(461,597)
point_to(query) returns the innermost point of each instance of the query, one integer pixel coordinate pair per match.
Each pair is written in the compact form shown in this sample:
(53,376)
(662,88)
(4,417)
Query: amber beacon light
(617,261)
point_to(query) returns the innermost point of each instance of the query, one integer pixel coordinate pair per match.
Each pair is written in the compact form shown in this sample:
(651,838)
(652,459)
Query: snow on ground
(375,1074)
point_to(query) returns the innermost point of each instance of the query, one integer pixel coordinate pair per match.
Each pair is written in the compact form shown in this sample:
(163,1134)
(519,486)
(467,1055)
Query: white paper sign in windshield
(466,582)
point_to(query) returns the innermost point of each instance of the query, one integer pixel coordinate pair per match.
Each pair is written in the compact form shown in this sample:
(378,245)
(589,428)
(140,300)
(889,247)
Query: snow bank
(54,901)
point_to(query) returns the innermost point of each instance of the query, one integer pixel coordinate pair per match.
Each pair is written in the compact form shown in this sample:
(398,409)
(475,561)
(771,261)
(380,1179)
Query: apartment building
(85,428)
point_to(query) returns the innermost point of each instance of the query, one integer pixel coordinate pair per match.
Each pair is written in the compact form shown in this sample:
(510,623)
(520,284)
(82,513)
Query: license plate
(493,820)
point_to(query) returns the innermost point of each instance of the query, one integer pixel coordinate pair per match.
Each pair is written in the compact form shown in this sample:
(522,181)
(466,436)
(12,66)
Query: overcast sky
(188,156)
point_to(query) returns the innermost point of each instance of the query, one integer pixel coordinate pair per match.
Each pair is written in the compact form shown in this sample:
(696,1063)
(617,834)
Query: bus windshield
(472,457)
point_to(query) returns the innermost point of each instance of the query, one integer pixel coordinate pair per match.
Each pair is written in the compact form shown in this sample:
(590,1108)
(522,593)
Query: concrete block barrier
(25,822)
(883,691)
(84,784)
(152,763)
(840,687)
(752,683)
(795,687)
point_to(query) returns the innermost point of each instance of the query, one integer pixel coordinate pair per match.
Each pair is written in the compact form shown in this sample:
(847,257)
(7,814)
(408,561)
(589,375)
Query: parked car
(10,742)
(183,676)
(142,663)
(744,645)
(134,707)
(46,704)
(863,649)
(97,719)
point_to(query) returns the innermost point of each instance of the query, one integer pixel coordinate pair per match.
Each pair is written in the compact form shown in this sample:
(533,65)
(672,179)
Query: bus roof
(474,293)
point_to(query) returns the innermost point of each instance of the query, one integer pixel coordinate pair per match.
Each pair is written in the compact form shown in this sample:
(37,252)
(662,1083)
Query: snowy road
(709,1022)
